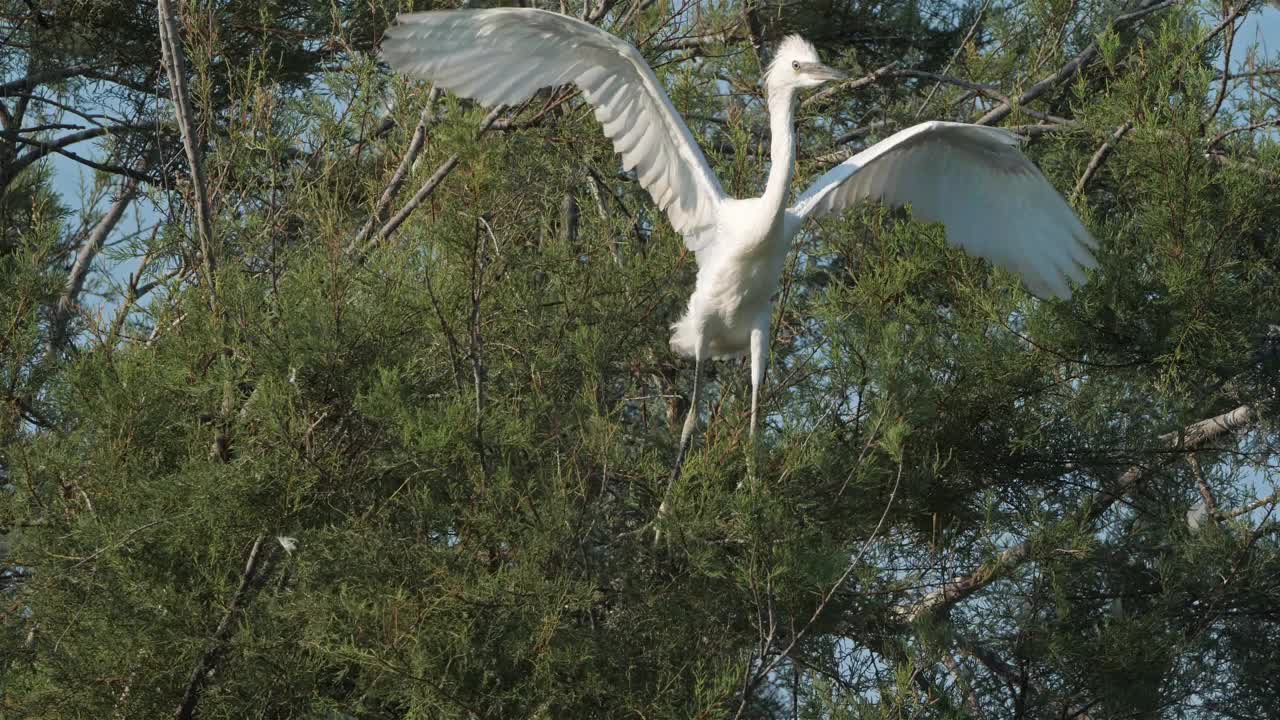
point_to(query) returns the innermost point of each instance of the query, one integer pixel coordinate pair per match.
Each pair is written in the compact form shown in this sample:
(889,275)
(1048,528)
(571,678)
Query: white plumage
(973,179)
(504,56)
(992,201)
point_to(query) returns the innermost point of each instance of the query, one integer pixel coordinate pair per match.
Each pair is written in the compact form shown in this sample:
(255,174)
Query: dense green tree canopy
(385,433)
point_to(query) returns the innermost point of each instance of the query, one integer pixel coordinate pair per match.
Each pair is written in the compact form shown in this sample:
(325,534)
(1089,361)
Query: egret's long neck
(782,151)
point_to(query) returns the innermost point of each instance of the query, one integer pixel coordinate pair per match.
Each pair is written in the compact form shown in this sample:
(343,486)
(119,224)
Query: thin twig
(762,673)
(959,49)
(478,263)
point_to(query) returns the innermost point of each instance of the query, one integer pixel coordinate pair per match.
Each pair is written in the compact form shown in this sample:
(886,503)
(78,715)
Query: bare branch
(756,31)
(1190,438)
(1274,122)
(402,171)
(430,185)
(175,67)
(1099,157)
(873,76)
(35,80)
(1202,483)
(80,268)
(698,42)
(600,10)
(1261,502)
(250,580)
(1228,20)
(44,148)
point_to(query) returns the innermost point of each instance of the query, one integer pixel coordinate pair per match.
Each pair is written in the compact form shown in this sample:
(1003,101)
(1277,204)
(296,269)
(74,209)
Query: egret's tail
(684,337)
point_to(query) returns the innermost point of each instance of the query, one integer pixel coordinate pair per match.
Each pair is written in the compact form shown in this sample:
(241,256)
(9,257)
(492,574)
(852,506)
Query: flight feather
(505,55)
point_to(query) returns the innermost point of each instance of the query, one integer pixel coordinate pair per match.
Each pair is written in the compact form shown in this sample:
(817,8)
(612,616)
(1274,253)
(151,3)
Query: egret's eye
(795,64)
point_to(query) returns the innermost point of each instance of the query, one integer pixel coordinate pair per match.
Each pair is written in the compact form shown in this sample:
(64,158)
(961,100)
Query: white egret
(991,199)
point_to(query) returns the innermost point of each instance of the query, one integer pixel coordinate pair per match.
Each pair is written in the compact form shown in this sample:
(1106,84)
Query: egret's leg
(759,359)
(686,435)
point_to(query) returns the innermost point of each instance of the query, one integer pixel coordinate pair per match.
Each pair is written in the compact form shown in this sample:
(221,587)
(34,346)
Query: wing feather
(991,199)
(505,55)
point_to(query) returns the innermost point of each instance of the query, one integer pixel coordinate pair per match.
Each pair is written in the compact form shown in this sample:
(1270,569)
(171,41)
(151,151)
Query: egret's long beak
(818,71)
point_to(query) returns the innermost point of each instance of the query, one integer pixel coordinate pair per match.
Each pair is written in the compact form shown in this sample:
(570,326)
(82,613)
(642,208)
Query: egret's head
(796,65)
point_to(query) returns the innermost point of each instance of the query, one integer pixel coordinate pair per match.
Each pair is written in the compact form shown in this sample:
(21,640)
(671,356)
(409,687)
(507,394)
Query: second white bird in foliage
(974,180)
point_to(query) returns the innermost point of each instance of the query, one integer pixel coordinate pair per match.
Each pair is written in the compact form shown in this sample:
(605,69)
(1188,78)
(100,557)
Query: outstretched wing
(975,181)
(503,56)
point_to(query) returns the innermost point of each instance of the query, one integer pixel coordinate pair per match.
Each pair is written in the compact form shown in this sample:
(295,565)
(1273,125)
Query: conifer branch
(1073,66)
(389,193)
(251,579)
(1191,437)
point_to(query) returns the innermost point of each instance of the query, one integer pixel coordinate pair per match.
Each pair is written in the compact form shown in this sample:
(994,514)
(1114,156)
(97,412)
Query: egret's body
(991,199)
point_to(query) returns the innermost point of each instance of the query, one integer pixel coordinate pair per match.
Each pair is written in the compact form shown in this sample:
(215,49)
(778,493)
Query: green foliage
(420,477)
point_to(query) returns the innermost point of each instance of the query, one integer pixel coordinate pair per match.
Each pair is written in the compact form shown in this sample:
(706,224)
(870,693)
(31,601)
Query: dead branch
(41,149)
(1261,502)
(874,76)
(1274,122)
(698,42)
(1202,483)
(756,31)
(1228,20)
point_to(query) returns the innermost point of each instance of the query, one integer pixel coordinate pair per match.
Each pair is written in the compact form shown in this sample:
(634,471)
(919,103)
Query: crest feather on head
(792,47)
